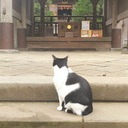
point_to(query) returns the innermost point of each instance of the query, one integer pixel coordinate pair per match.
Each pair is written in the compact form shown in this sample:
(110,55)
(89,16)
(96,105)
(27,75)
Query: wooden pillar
(114,13)
(21,32)
(42,4)
(24,13)
(21,37)
(32,17)
(116,32)
(6,25)
(94,16)
(116,38)
(6,36)
(105,18)
(94,3)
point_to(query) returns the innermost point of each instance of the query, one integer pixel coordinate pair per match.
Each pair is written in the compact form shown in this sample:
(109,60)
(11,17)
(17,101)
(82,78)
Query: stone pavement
(27,76)
(86,63)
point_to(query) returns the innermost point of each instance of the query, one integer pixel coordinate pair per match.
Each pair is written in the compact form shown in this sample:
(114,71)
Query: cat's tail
(88,110)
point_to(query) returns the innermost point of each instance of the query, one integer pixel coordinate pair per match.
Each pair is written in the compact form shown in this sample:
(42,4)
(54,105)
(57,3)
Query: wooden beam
(23,13)
(120,16)
(68,43)
(114,14)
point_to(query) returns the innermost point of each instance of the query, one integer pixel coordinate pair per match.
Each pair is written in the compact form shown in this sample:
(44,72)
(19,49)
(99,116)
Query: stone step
(32,88)
(45,115)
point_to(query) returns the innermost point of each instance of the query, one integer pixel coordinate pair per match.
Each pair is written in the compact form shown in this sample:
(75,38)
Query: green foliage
(37,10)
(49,2)
(82,8)
(48,13)
(100,8)
(85,8)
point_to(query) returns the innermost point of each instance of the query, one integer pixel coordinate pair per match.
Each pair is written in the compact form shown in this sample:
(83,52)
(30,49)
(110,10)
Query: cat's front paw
(59,108)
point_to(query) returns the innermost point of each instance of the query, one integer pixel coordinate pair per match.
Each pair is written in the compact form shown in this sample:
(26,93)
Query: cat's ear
(54,58)
(66,57)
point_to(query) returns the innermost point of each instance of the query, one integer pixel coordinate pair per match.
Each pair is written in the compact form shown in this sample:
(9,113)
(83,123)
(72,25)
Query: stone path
(93,64)
(27,76)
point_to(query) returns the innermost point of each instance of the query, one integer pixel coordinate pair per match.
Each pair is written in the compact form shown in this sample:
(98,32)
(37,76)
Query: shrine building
(19,27)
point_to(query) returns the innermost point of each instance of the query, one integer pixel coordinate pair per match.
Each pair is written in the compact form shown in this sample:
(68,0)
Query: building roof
(60,1)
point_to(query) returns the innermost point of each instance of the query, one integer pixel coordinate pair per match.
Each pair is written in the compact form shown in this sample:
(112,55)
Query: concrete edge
(31,115)
(9,51)
(42,89)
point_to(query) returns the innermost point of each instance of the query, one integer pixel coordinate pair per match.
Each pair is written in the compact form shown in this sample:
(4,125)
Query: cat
(74,92)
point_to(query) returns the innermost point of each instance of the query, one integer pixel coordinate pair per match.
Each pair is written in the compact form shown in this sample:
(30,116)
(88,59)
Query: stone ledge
(9,51)
(42,89)
(45,115)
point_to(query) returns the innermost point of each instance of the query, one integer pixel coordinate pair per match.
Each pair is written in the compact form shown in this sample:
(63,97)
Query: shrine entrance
(64,31)
(60,22)
(18,22)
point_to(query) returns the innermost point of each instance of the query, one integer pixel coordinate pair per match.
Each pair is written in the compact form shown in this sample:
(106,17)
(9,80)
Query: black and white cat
(74,91)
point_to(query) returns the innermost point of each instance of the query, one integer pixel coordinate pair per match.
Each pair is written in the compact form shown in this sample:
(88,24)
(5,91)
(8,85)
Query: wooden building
(17,23)
(116,15)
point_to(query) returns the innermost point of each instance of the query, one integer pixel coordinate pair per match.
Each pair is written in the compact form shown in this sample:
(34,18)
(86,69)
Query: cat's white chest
(60,77)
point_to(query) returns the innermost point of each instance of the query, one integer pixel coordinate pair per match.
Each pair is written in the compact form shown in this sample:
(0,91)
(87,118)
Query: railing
(96,23)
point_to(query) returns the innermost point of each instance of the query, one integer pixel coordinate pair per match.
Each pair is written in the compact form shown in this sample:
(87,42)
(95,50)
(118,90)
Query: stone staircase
(30,102)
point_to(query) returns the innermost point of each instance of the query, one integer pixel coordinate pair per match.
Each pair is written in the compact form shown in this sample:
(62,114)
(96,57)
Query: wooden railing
(96,23)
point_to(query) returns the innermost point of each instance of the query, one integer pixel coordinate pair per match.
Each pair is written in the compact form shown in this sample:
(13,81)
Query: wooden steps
(69,42)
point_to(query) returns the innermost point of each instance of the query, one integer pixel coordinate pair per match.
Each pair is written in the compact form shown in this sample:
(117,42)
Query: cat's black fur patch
(73,78)
(60,62)
(83,95)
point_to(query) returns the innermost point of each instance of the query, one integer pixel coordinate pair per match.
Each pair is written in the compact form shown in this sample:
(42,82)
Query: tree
(47,12)
(82,7)
(100,7)
(37,10)
(85,7)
